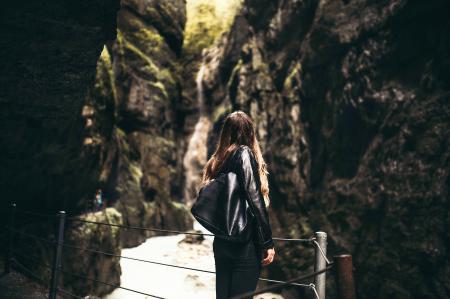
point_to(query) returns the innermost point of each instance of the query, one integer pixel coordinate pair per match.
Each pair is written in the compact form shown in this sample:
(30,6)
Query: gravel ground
(16,286)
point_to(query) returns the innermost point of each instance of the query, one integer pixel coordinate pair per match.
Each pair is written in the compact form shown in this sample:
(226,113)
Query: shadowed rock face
(48,56)
(351,103)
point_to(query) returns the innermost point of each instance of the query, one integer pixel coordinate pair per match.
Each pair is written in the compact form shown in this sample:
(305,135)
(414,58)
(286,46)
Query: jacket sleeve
(248,177)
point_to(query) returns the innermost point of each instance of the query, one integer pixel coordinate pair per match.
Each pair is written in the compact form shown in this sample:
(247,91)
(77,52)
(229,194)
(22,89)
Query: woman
(238,265)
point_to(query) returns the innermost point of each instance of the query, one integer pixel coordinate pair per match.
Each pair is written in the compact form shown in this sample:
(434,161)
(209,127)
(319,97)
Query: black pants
(238,267)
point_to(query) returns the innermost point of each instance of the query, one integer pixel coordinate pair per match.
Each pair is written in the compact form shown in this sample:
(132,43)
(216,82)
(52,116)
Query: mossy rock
(95,237)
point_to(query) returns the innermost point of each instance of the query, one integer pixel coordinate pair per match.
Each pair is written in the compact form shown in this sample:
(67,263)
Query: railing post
(57,256)
(320,263)
(344,276)
(10,234)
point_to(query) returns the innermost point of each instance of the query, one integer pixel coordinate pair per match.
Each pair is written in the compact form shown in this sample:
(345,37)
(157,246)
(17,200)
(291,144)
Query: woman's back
(246,172)
(238,265)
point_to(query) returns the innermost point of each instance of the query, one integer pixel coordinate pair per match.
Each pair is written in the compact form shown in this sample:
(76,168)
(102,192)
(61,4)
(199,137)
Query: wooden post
(344,276)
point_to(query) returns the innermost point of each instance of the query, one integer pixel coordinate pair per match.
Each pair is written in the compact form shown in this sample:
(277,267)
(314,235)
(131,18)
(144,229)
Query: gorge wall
(48,55)
(350,99)
(351,103)
(134,124)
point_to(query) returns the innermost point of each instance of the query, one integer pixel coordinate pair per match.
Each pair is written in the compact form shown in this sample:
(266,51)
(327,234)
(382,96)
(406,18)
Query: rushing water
(170,282)
(163,281)
(197,150)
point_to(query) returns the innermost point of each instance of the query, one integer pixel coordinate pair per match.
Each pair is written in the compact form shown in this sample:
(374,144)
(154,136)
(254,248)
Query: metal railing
(344,273)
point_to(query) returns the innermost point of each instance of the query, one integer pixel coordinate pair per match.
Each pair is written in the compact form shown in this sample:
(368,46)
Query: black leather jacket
(243,163)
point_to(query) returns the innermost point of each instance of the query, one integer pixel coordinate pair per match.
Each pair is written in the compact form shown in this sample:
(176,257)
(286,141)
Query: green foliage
(292,82)
(206,22)
(104,81)
(202,28)
(151,37)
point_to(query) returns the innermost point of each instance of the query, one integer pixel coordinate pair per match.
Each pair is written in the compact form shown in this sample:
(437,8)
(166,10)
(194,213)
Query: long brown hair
(237,129)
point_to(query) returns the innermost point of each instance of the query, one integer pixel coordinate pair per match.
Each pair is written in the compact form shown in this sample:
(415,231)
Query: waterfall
(166,281)
(169,282)
(197,150)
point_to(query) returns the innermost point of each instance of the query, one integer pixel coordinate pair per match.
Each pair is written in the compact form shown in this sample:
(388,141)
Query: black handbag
(222,209)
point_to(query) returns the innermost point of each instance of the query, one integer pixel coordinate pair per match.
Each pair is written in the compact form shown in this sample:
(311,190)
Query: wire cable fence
(108,284)
(143,260)
(37,278)
(322,263)
(173,231)
(283,284)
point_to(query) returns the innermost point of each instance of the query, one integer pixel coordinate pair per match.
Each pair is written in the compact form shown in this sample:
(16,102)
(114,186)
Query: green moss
(160,87)
(221,110)
(121,136)
(235,72)
(165,75)
(150,37)
(136,172)
(179,208)
(162,10)
(258,64)
(153,13)
(121,49)
(138,52)
(236,68)
(120,133)
(109,215)
(292,81)
(163,144)
(293,75)
(167,8)
(150,42)
(106,86)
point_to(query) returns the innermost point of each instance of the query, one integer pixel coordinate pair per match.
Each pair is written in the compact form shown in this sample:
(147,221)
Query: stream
(170,282)
(164,281)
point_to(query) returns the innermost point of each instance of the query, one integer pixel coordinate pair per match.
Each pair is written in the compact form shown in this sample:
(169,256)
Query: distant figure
(98,200)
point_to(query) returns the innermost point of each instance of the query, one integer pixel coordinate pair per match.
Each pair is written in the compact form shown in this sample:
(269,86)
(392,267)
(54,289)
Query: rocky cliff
(133,126)
(68,128)
(350,99)
(92,264)
(48,56)
(49,52)
(351,102)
